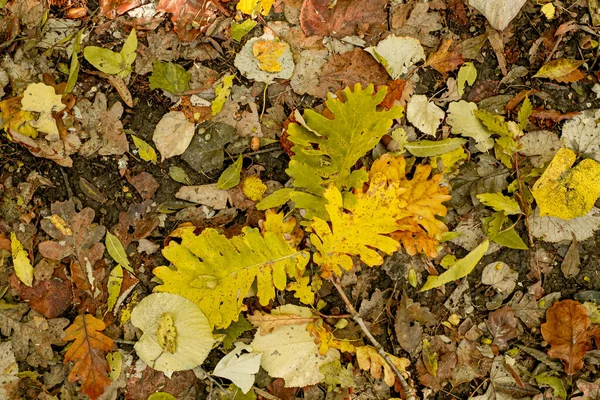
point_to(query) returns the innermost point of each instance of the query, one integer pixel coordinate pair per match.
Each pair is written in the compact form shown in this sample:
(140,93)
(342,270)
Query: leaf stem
(408,390)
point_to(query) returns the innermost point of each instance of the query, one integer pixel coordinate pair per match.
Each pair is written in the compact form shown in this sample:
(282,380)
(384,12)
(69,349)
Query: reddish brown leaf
(566,330)
(50,297)
(190,17)
(555,116)
(345,18)
(88,352)
(399,92)
(590,390)
(144,183)
(444,60)
(114,8)
(345,70)
(503,326)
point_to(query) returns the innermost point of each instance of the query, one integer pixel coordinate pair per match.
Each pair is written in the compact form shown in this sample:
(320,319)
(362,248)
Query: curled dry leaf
(503,326)
(567,331)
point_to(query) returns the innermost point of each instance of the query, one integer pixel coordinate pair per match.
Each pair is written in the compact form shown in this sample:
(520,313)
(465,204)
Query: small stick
(408,391)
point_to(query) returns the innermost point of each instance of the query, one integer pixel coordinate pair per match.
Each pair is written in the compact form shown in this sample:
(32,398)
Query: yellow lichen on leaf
(217,273)
(254,188)
(267,53)
(566,192)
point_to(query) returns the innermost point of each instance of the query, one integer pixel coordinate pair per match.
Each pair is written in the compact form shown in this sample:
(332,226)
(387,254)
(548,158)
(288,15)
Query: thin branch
(408,390)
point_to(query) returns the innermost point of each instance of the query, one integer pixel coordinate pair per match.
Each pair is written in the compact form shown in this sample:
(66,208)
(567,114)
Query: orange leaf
(573,76)
(88,354)
(398,94)
(190,18)
(558,68)
(567,331)
(443,60)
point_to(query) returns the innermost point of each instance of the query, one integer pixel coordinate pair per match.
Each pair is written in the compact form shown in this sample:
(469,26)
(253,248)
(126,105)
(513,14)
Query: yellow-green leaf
(146,152)
(432,148)
(557,68)
(113,63)
(116,251)
(21,261)
(466,74)
(216,273)
(222,92)
(238,31)
(231,176)
(170,77)
(500,202)
(566,192)
(459,270)
(511,239)
(525,113)
(115,280)
(115,363)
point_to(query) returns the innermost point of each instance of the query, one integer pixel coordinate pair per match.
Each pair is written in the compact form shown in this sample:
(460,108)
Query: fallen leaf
(267,52)
(582,134)
(173,134)
(113,63)
(571,262)
(253,7)
(170,77)
(434,148)
(500,276)
(444,60)
(103,126)
(117,251)
(290,352)
(344,18)
(500,202)
(144,183)
(267,323)
(190,18)
(463,121)
(458,270)
(370,360)
(400,91)
(566,192)
(43,99)
(499,13)
(182,343)
(566,330)
(88,353)
(503,327)
(266,62)
(423,115)
(590,390)
(145,151)
(208,195)
(553,229)
(421,24)
(397,54)
(50,297)
(466,74)
(21,261)
(239,368)
(231,176)
(558,68)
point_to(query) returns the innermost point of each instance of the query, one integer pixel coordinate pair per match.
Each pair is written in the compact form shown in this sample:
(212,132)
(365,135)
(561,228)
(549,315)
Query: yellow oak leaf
(280,225)
(370,360)
(42,99)
(566,192)
(267,52)
(15,118)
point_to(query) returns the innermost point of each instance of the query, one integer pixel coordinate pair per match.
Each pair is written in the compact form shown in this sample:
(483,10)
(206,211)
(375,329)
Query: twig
(408,390)
(265,394)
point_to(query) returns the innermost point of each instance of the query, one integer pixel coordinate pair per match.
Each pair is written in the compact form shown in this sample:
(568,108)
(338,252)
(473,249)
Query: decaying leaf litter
(299,199)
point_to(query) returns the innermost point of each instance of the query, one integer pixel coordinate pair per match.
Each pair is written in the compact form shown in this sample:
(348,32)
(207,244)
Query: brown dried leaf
(345,18)
(49,297)
(346,70)
(190,17)
(567,331)
(503,327)
(91,191)
(444,60)
(399,93)
(84,241)
(144,183)
(591,390)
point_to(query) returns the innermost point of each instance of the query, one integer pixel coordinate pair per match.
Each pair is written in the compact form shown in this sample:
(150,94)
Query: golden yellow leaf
(566,192)
(370,360)
(558,68)
(15,118)
(21,261)
(393,209)
(252,7)
(267,52)
(287,227)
